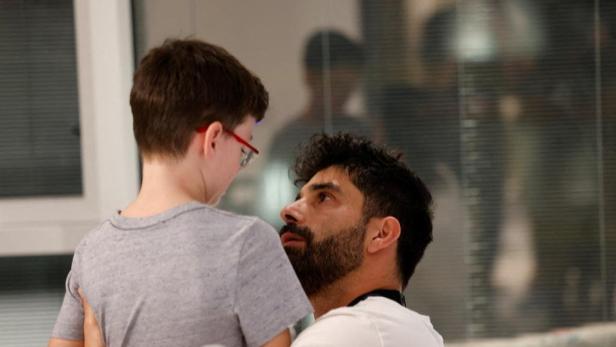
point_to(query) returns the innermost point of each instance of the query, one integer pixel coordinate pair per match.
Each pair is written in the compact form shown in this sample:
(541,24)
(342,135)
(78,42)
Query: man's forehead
(332,178)
(330,174)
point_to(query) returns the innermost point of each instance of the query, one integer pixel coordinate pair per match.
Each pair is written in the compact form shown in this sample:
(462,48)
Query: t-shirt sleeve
(69,324)
(269,297)
(340,330)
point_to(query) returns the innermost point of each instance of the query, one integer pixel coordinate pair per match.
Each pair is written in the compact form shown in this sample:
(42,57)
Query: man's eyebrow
(320,186)
(324,186)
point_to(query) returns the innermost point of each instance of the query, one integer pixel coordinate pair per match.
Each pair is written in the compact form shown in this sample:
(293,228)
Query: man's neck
(328,299)
(344,291)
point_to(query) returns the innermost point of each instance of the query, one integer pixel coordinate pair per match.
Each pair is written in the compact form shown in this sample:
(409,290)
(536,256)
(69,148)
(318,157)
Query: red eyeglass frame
(235,136)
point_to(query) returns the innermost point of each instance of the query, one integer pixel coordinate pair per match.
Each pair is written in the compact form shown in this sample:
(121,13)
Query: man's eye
(324,196)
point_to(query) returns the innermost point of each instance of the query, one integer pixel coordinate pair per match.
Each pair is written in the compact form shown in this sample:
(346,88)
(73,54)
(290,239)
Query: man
(169,270)
(355,234)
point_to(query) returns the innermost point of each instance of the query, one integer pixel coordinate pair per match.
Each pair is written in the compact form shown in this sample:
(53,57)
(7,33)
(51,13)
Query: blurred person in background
(332,65)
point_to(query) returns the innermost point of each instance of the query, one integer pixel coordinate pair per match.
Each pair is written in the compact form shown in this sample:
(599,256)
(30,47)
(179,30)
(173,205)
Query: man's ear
(383,232)
(211,138)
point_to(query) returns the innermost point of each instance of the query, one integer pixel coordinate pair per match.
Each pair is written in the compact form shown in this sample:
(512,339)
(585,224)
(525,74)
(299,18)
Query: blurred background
(506,109)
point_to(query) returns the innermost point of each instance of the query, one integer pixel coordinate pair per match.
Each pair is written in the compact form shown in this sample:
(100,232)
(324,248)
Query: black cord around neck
(386,293)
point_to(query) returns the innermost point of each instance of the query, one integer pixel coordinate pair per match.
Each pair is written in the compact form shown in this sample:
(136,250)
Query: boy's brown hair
(186,84)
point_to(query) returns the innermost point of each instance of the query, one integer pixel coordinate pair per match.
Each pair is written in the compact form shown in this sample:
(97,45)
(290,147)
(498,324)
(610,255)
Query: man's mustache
(304,232)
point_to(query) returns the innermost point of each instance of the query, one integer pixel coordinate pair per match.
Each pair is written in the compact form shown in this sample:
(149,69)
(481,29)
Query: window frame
(109,159)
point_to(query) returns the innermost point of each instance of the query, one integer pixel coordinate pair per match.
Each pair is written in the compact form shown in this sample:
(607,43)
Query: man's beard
(322,263)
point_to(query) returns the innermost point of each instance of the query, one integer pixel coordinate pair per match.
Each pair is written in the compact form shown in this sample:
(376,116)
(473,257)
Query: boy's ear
(384,233)
(211,138)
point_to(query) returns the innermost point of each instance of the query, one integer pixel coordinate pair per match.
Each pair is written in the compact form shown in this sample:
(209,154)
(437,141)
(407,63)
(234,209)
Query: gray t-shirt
(190,276)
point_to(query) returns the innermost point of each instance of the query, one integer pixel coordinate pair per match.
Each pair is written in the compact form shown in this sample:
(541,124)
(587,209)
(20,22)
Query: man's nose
(292,213)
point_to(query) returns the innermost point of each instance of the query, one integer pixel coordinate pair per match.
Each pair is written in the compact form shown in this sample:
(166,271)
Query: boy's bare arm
(54,342)
(281,340)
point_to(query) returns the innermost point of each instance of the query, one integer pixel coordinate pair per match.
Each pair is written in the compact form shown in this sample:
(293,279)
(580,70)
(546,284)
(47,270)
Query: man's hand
(92,334)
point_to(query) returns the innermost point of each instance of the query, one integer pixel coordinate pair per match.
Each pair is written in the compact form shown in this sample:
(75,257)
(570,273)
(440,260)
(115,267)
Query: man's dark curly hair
(388,186)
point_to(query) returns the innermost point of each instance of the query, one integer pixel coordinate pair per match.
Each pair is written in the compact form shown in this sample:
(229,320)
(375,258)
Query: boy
(169,270)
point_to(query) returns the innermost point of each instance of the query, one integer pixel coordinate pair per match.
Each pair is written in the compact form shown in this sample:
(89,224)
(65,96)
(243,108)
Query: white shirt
(373,322)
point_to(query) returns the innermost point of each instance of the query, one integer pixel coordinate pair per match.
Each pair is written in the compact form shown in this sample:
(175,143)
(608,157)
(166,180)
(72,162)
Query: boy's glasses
(247,154)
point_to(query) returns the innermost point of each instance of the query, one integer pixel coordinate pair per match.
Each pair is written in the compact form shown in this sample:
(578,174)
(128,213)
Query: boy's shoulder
(216,218)
(195,218)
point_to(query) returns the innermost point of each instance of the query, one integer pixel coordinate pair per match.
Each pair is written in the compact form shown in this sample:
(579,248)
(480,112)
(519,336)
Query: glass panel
(557,134)
(607,150)
(504,108)
(503,114)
